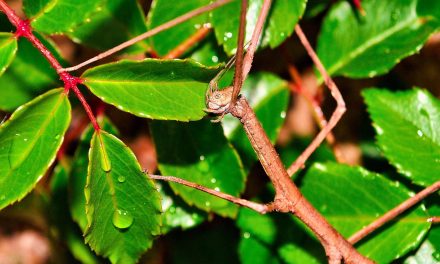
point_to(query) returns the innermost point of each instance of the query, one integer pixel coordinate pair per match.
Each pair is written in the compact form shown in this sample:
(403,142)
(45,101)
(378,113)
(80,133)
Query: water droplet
(17,134)
(420,133)
(246,235)
(379,130)
(213,180)
(436,255)
(282,34)
(105,163)
(227,36)
(57,137)
(121,179)
(217,189)
(207,204)
(283,114)
(214,59)
(25,139)
(202,157)
(122,219)
(197,26)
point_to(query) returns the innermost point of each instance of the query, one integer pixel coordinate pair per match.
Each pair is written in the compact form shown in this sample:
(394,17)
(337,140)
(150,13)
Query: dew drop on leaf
(420,133)
(122,219)
(105,163)
(121,179)
(246,235)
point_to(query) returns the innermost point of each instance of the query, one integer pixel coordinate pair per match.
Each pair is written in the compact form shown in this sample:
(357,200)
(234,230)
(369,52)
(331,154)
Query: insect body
(219,100)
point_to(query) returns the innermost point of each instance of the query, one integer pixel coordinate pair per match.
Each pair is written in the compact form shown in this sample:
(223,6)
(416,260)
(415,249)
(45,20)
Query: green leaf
(122,204)
(184,150)
(32,7)
(282,19)
(163,11)
(60,16)
(67,231)
(8,47)
(177,213)
(29,141)
(408,131)
(78,173)
(157,89)
(208,53)
(26,78)
(434,233)
(275,238)
(269,97)
(351,198)
(112,17)
(359,47)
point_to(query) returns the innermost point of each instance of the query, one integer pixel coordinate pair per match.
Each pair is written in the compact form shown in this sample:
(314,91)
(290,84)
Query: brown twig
(238,75)
(337,114)
(288,198)
(261,208)
(249,57)
(316,108)
(393,213)
(434,220)
(199,35)
(150,33)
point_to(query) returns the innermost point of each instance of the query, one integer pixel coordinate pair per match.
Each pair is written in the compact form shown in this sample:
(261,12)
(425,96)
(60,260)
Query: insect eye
(217,96)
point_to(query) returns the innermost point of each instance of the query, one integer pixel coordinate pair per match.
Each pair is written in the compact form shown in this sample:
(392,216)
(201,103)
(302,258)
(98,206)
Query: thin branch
(317,110)
(337,114)
(238,75)
(434,220)
(249,57)
(200,34)
(288,198)
(260,208)
(151,33)
(86,107)
(393,213)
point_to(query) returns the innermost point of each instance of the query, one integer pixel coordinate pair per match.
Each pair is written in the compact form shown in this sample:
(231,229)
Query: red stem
(24,29)
(86,107)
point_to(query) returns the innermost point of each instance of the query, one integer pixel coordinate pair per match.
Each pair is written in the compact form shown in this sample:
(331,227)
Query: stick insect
(221,101)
